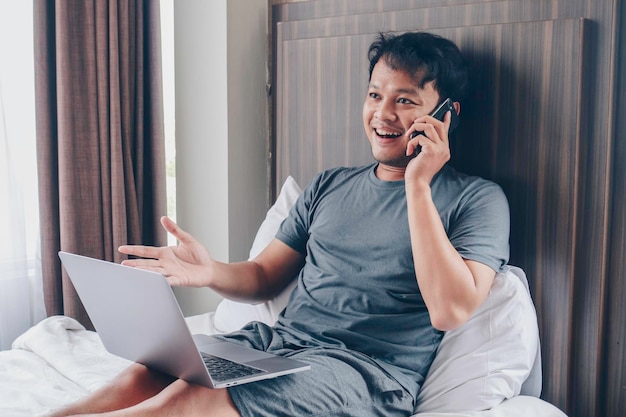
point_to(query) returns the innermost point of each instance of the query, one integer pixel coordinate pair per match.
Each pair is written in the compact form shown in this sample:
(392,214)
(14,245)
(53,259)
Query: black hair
(428,57)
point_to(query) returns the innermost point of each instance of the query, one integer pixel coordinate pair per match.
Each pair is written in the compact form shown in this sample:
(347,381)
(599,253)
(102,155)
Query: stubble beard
(397,162)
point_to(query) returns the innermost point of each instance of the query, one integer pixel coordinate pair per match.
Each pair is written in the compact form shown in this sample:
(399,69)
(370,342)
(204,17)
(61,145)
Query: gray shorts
(340,383)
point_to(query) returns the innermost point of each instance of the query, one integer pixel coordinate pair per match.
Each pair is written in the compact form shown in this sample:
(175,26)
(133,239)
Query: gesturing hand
(188,264)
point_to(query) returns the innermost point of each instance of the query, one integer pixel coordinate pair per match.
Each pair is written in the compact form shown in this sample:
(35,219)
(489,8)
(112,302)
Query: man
(388,256)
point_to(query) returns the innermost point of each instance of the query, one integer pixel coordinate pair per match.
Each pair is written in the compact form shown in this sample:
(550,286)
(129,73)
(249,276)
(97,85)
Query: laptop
(138,318)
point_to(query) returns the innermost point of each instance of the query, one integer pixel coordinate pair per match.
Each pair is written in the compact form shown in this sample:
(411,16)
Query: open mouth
(387,134)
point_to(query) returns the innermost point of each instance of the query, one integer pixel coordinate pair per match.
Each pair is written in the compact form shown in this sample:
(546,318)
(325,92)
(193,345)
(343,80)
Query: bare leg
(138,391)
(132,386)
(183,399)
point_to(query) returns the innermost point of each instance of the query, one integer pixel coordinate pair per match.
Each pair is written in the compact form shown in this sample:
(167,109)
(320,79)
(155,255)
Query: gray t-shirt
(358,289)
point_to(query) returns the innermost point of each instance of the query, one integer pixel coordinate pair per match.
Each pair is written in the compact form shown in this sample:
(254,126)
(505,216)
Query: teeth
(386,133)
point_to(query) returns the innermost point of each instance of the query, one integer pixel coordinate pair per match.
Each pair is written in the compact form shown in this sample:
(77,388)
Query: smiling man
(404,87)
(387,256)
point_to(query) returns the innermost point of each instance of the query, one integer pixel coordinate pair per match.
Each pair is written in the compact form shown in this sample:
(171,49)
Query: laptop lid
(136,315)
(138,318)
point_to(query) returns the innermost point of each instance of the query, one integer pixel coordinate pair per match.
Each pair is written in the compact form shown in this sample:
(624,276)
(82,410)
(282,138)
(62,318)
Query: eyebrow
(408,91)
(398,91)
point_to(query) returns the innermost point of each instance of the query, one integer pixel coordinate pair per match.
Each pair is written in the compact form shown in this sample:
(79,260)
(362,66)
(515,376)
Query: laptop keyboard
(222,369)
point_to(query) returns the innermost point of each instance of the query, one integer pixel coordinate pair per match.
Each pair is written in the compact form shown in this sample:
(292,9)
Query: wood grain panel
(614,357)
(427,16)
(531,149)
(319,105)
(307,10)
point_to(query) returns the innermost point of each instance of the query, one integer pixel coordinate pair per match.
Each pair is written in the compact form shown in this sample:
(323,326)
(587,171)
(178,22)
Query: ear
(457,107)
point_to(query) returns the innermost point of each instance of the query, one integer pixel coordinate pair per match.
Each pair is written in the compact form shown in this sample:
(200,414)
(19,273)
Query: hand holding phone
(439,114)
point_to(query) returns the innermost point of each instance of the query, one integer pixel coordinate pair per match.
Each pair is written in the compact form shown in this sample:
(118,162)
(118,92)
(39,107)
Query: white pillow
(488,359)
(520,406)
(231,315)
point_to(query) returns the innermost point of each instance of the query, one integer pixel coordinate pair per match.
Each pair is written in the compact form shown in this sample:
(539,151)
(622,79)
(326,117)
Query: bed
(489,367)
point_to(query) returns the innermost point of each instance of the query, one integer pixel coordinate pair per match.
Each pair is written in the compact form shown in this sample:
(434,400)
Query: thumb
(171,227)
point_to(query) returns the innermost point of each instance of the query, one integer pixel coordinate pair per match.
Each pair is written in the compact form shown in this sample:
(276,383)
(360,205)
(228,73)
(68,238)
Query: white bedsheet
(58,361)
(52,364)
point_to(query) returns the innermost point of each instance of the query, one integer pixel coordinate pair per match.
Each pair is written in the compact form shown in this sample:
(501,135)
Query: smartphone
(440,112)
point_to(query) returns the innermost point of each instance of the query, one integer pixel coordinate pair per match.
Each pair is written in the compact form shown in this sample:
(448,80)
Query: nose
(385,110)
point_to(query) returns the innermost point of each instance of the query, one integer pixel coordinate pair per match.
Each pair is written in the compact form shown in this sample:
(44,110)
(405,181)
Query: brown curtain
(100,136)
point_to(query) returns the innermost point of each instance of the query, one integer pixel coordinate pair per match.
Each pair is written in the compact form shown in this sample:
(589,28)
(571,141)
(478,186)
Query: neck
(389,172)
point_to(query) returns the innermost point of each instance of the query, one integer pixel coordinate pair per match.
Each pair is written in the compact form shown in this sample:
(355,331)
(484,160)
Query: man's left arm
(452,287)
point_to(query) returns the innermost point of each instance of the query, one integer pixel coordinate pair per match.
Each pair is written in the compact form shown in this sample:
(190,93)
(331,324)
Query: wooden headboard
(536,122)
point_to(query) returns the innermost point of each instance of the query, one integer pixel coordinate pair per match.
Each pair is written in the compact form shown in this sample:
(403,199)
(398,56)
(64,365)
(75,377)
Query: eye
(373,95)
(403,100)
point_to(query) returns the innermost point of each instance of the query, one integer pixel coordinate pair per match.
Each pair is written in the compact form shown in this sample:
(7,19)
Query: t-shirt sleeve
(481,227)
(294,229)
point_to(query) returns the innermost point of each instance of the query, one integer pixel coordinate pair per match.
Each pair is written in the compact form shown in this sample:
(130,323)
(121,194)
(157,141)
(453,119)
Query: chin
(398,161)
(391,154)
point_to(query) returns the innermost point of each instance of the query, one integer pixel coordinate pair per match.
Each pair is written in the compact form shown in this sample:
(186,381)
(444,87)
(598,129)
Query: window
(21,292)
(21,295)
(167,46)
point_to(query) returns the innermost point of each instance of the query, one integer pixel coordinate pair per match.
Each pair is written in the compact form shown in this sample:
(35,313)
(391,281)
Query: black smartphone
(440,112)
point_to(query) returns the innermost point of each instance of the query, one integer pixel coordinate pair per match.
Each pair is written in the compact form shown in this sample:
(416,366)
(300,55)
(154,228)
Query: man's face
(394,100)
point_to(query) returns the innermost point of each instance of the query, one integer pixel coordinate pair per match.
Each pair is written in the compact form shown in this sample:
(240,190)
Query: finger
(416,129)
(151,265)
(174,281)
(412,147)
(138,250)
(175,230)
(142,263)
(157,270)
(435,129)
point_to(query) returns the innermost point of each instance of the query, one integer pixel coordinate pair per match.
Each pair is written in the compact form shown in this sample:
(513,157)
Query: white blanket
(57,362)
(52,364)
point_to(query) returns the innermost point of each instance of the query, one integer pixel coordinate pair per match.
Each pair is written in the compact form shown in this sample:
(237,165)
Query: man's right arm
(190,264)
(260,279)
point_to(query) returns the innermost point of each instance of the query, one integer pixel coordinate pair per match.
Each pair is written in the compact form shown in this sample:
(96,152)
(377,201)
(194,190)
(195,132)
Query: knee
(138,375)
(131,375)
(183,398)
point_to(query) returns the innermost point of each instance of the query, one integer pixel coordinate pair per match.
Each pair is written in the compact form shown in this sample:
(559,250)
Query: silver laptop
(138,318)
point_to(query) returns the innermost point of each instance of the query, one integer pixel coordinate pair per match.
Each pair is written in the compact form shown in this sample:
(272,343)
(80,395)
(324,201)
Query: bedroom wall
(221,140)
